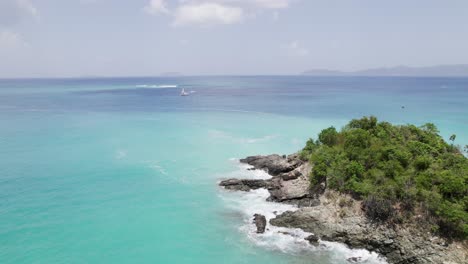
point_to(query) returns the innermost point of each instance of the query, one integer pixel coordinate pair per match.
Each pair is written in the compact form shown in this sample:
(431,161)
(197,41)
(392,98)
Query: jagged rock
(313,239)
(290,190)
(319,213)
(397,245)
(260,223)
(292,175)
(243,184)
(272,164)
(354,259)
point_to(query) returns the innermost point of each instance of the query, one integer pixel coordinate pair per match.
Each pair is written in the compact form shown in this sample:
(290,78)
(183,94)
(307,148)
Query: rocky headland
(336,217)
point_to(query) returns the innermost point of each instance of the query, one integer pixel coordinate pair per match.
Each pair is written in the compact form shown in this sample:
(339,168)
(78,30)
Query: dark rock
(313,239)
(292,175)
(243,184)
(354,259)
(260,223)
(273,164)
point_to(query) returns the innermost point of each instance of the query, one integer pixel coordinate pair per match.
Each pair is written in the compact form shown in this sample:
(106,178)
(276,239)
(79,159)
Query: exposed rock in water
(273,164)
(313,239)
(354,259)
(289,183)
(243,185)
(260,223)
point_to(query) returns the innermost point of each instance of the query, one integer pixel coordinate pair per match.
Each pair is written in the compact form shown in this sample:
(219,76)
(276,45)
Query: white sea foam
(286,240)
(156,166)
(156,86)
(120,154)
(244,172)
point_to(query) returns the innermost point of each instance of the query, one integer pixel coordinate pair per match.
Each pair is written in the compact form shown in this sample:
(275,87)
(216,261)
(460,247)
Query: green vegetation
(400,172)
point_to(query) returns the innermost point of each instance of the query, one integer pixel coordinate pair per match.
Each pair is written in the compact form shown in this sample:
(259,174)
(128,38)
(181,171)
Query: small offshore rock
(313,239)
(260,223)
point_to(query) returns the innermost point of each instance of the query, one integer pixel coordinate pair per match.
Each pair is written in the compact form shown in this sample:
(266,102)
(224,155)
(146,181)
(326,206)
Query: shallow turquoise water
(100,172)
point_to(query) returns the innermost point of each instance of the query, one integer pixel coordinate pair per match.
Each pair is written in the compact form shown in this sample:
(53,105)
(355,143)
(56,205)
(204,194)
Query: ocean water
(124,170)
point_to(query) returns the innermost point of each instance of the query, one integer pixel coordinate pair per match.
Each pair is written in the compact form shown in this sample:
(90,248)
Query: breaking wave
(286,240)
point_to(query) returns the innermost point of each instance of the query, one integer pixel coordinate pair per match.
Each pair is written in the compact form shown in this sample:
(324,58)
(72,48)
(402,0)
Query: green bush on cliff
(397,170)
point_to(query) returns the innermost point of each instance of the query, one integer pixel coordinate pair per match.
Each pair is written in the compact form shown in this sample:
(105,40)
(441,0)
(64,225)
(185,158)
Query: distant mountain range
(460,70)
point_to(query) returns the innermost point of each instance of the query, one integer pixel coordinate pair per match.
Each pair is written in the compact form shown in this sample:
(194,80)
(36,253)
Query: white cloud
(297,49)
(155,7)
(274,4)
(211,12)
(13,11)
(269,4)
(10,40)
(206,14)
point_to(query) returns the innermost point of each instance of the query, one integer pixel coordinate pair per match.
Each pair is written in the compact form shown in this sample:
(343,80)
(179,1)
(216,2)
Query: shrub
(328,136)
(378,209)
(407,167)
(422,162)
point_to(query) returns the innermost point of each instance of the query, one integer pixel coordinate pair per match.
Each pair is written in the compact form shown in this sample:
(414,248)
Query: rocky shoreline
(335,217)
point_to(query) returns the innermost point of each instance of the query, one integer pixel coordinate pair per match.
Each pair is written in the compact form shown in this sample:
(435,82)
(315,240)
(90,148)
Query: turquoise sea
(124,170)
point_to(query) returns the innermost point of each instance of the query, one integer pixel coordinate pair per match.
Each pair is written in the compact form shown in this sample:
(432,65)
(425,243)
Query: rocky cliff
(331,216)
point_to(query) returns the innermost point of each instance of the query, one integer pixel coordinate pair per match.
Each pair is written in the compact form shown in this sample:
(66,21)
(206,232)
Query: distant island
(459,70)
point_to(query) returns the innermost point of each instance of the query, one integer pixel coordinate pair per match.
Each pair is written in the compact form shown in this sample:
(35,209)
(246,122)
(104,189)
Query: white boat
(184,93)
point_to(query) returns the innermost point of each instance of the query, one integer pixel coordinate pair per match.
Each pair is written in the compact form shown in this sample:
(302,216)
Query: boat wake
(156,86)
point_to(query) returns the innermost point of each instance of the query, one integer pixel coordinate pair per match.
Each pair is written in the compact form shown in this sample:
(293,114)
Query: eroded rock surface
(348,225)
(324,214)
(260,223)
(289,182)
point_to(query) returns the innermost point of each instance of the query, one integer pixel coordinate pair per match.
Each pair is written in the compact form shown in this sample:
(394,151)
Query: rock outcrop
(289,182)
(343,221)
(331,216)
(273,164)
(260,223)
(244,184)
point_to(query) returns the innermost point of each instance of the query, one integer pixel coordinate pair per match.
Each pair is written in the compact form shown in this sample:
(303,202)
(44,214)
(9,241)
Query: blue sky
(50,38)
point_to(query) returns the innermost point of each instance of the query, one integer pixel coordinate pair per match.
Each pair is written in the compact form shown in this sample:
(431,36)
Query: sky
(78,38)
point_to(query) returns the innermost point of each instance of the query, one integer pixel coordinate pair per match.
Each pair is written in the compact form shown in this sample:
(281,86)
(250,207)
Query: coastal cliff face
(331,216)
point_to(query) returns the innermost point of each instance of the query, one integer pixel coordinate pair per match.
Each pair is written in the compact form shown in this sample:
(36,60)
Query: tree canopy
(399,171)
